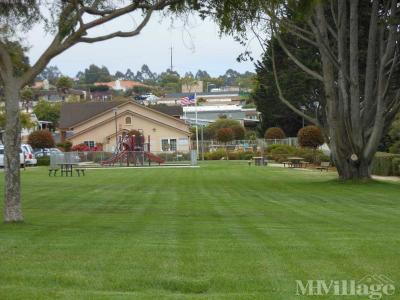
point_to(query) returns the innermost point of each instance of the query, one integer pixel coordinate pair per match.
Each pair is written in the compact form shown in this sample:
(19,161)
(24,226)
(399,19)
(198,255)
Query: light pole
(316,104)
(115,110)
(303,109)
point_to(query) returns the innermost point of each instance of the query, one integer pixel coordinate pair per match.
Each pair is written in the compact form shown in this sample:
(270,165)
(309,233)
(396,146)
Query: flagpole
(197,127)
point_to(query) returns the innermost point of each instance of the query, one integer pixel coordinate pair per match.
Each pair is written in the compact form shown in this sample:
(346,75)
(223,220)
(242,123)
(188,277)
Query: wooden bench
(324,166)
(53,170)
(80,170)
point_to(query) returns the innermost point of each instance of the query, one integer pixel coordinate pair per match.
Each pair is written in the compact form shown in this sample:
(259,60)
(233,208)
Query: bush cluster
(210,131)
(41,139)
(273,133)
(225,135)
(310,136)
(280,153)
(66,146)
(80,148)
(233,155)
(395,148)
(43,161)
(386,164)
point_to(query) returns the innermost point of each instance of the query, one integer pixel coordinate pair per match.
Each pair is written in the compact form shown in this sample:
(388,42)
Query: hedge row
(233,155)
(386,164)
(43,161)
(280,153)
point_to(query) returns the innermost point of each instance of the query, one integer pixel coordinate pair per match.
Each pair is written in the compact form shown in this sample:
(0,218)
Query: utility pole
(171,68)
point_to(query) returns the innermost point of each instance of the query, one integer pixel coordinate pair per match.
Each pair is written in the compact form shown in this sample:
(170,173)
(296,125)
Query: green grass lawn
(222,231)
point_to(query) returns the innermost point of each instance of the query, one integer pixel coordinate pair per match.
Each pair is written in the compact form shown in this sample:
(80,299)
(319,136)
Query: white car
(30,158)
(21,157)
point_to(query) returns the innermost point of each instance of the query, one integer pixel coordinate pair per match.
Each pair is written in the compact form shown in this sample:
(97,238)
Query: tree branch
(118,33)
(297,62)
(370,62)
(354,76)
(282,98)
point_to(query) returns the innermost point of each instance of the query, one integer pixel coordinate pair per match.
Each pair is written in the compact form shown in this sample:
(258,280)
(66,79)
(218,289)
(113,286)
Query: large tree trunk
(12,143)
(348,164)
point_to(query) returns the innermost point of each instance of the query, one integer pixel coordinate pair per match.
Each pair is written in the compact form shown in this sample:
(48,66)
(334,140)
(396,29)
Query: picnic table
(66,168)
(295,162)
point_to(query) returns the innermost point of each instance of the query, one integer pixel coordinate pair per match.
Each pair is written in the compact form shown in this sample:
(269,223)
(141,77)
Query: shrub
(250,135)
(80,148)
(280,153)
(225,135)
(233,155)
(396,166)
(238,132)
(274,133)
(310,136)
(41,139)
(66,146)
(43,161)
(215,155)
(210,131)
(395,148)
(386,164)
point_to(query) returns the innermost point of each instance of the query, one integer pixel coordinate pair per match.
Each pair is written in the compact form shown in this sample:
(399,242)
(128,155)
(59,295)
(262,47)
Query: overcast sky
(196,45)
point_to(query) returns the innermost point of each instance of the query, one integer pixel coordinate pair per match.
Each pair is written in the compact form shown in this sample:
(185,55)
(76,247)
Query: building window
(164,145)
(168,145)
(172,144)
(128,120)
(90,144)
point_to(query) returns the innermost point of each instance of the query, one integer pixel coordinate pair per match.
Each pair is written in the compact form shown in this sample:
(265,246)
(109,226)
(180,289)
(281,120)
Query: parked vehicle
(46,152)
(21,157)
(30,159)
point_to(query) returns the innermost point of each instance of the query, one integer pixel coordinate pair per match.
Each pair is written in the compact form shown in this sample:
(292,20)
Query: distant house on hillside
(94,123)
(248,117)
(58,96)
(208,98)
(120,85)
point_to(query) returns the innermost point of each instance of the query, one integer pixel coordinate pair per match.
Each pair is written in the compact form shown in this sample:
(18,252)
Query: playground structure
(132,150)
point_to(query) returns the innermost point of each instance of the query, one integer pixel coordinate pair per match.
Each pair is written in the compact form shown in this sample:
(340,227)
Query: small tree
(64,83)
(274,133)
(211,130)
(41,139)
(225,135)
(310,136)
(238,132)
(27,97)
(46,111)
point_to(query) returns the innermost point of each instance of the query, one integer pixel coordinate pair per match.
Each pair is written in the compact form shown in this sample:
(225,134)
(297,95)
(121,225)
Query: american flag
(188,100)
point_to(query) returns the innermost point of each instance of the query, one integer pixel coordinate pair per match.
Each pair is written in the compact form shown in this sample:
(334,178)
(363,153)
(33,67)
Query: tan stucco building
(97,122)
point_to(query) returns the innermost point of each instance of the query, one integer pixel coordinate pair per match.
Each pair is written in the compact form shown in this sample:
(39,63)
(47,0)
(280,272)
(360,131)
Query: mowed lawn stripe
(223,231)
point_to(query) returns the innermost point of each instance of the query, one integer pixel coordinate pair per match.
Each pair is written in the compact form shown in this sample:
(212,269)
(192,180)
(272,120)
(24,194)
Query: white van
(21,157)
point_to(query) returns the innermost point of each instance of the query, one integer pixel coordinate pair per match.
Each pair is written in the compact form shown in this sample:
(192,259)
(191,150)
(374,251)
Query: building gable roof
(75,113)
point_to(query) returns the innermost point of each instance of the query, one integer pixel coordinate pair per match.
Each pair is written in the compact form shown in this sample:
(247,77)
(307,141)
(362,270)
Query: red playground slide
(155,158)
(113,159)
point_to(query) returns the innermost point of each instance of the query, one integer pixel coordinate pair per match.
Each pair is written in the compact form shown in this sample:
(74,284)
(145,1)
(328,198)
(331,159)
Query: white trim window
(169,144)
